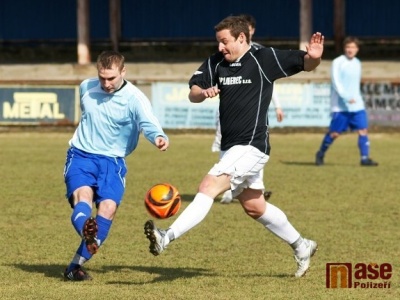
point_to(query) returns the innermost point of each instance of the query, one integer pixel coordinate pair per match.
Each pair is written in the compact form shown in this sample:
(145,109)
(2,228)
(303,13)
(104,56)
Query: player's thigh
(339,122)
(82,194)
(244,165)
(79,171)
(111,180)
(241,160)
(359,120)
(213,185)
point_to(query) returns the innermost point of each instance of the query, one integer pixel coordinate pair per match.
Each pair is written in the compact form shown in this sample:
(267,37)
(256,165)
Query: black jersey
(256,45)
(246,90)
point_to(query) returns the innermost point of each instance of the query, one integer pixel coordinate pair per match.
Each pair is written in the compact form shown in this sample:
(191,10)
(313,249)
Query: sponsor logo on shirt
(233,80)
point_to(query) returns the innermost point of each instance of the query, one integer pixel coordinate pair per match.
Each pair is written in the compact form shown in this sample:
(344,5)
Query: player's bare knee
(84,193)
(107,209)
(334,135)
(363,132)
(253,213)
(253,208)
(212,186)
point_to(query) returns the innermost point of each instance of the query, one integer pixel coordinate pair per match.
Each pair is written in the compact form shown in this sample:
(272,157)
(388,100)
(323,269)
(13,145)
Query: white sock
(194,213)
(276,221)
(79,260)
(227,195)
(300,247)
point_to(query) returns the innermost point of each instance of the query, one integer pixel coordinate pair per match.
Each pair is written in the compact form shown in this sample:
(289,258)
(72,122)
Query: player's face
(230,47)
(350,50)
(111,79)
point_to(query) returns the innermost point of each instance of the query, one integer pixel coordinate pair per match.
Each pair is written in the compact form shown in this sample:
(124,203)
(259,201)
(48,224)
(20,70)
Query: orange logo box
(344,275)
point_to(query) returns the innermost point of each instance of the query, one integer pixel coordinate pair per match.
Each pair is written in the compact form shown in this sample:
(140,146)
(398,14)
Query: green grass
(351,211)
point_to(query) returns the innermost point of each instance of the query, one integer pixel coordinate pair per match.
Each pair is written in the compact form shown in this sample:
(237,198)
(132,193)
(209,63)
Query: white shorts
(245,165)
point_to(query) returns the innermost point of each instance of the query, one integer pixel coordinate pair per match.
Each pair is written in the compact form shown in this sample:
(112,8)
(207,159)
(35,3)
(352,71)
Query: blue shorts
(341,121)
(105,175)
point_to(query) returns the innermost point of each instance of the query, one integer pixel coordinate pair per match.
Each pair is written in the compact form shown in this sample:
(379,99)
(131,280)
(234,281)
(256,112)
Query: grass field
(351,211)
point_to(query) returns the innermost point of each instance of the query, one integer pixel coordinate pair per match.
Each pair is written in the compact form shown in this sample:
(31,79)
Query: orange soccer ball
(162,200)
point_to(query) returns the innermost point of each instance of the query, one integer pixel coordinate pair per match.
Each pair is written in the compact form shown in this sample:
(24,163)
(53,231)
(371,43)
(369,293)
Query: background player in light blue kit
(114,112)
(347,105)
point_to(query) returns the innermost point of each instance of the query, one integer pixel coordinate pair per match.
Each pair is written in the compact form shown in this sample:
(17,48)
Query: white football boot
(158,238)
(303,262)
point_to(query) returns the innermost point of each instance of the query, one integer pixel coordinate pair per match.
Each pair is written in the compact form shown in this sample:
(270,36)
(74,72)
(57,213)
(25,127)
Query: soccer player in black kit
(243,78)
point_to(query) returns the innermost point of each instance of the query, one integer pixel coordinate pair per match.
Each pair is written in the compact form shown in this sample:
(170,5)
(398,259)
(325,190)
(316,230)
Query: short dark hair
(235,25)
(351,39)
(249,19)
(107,59)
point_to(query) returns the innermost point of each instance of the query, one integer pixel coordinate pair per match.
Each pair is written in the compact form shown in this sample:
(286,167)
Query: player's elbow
(311,64)
(195,97)
(191,97)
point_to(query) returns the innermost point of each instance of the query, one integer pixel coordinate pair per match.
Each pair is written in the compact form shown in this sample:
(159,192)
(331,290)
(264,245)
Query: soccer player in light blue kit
(114,113)
(347,105)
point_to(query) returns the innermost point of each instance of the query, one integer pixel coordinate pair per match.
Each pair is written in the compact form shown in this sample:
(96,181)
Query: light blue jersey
(111,123)
(345,85)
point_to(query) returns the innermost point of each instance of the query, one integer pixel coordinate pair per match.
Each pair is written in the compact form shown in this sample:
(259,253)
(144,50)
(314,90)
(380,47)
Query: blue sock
(326,142)
(103,226)
(363,145)
(82,255)
(81,212)
(82,251)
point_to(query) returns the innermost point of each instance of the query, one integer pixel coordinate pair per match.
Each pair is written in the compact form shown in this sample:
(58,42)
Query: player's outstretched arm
(314,52)
(162,143)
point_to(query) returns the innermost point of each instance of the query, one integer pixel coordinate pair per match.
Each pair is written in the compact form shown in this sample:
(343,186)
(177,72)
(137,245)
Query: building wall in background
(304,104)
(27,20)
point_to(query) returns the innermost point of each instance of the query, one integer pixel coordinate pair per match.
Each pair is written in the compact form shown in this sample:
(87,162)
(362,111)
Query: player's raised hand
(314,52)
(316,46)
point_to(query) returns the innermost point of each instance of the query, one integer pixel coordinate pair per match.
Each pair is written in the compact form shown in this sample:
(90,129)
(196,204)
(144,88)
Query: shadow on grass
(298,163)
(165,274)
(48,270)
(269,275)
(311,164)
